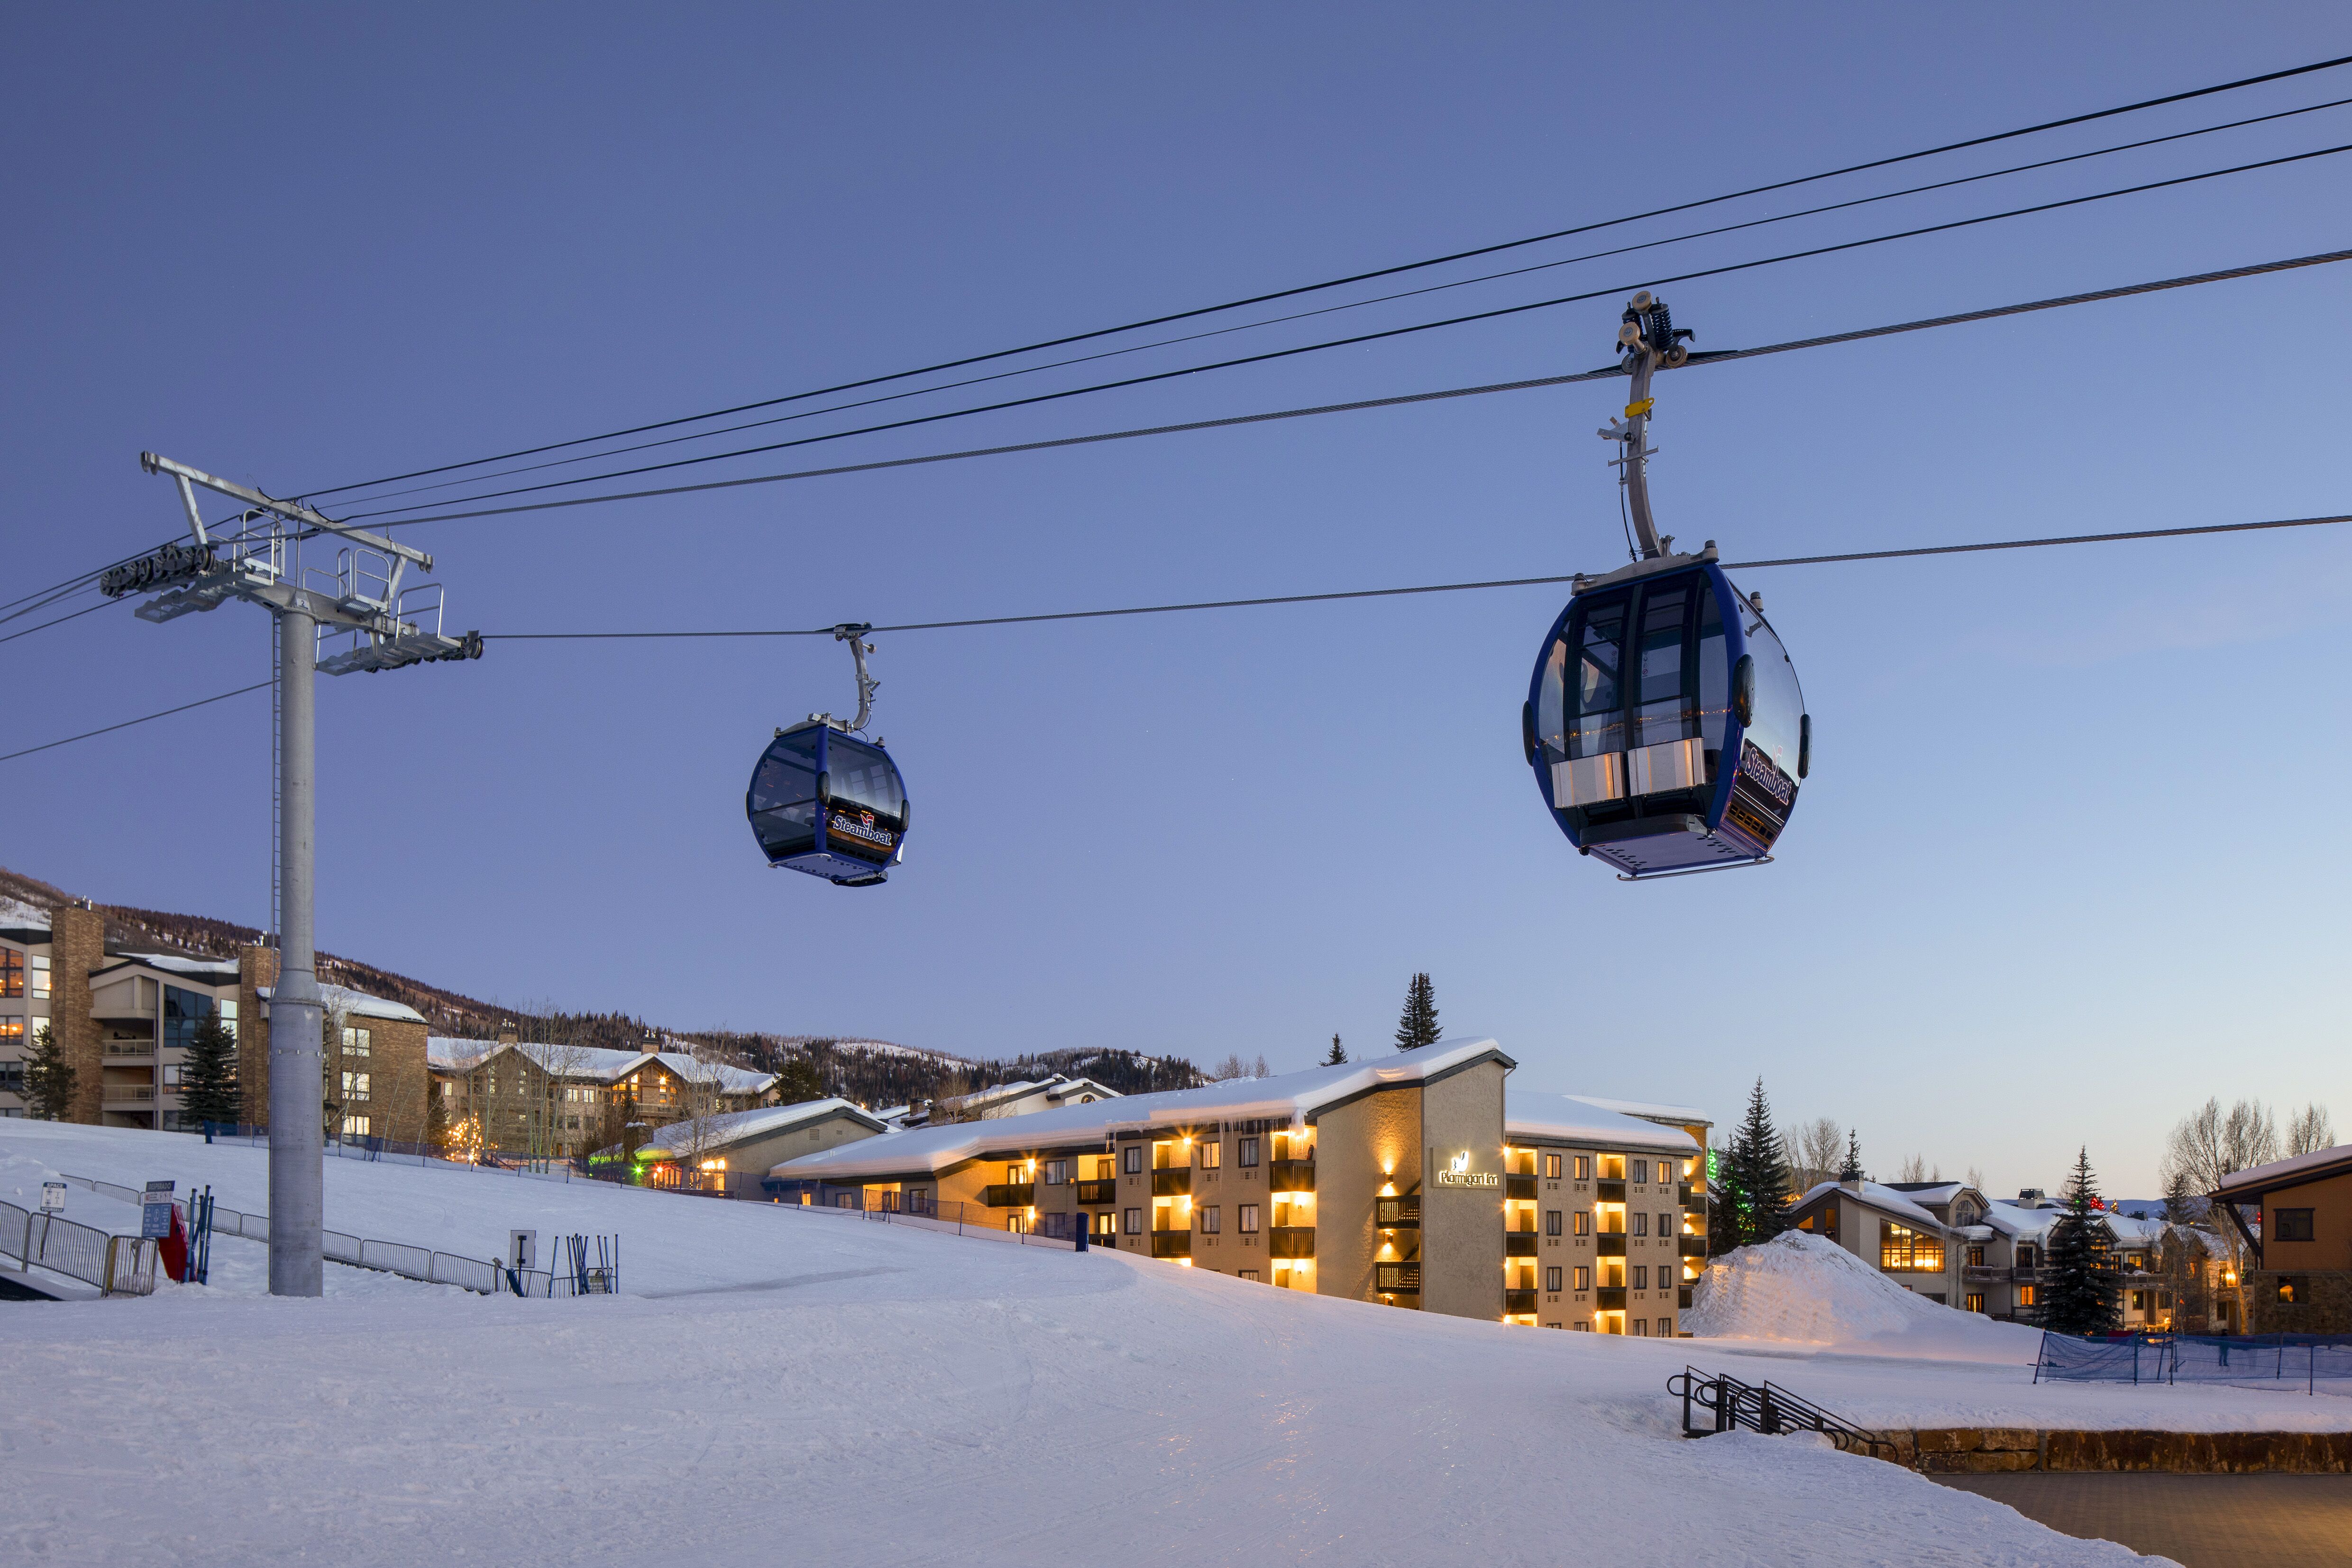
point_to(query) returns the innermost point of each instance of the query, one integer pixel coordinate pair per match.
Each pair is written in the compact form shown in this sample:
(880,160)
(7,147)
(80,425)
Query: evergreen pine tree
(1760,1172)
(208,1078)
(436,1118)
(1418,1026)
(1339,1056)
(798,1082)
(2079,1287)
(1852,1169)
(48,1078)
(2180,1204)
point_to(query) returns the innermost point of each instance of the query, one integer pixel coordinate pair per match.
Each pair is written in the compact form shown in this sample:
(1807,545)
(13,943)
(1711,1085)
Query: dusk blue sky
(2067,862)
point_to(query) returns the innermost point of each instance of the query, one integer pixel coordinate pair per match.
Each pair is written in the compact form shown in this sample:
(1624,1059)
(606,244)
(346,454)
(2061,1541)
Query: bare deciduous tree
(1814,1152)
(1976,1178)
(2309,1130)
(699,1123)
(2210,1143)
(1914,1169)
(1233,1067)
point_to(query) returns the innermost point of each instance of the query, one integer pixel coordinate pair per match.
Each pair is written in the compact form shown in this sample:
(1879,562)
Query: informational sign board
(155,1212)
(53,1195)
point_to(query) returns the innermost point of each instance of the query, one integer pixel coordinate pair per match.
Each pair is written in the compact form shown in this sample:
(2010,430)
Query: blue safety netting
(2281,1360)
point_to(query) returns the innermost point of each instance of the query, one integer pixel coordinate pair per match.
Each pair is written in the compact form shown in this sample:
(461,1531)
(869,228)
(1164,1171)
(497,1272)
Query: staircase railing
(1717,1401)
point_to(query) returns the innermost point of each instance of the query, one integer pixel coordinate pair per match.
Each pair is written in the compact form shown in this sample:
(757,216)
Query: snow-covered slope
(807,1386)
(1809,1289)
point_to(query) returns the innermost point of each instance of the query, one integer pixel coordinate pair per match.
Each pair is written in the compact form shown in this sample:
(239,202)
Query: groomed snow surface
(781,1385)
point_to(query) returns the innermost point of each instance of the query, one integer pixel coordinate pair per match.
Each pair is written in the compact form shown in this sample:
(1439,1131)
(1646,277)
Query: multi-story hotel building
(123,1019)
(1411,1180)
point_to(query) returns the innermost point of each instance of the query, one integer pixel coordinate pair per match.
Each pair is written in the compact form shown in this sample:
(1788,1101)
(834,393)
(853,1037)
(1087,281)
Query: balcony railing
(1520,1244)
(1608,1192)
(1290,1241)
(1397,1278)
(1010,1196)
(1172,1182)
(1518,1303)
(141,1048)
(127,1094)
(1520,1187)
(1691,1245)
(1400,1213)
(1610,1244)
(1610,1299)
(1290,1176)
(1983,1274)
(1106,1192)
(1171,1243)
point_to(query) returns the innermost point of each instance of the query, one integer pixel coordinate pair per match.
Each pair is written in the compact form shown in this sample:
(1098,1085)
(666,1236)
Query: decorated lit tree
(2080,1290)
(1418,1026)
(1760,1174)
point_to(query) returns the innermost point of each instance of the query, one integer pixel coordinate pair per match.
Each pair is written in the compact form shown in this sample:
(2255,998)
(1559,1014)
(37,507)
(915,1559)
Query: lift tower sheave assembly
(362,615)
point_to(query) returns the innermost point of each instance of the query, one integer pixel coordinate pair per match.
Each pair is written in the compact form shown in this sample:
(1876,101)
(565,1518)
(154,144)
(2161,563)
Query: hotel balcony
(1519,1244)
(1105,1192)
(1171,1243)
(1610,1299)
(1290,1176)
(1290,1241)
(1172,1182)
(1608,1192)
(1401,1213)
(1397,1278)
(1518,1303)
(1520,1187)
(1983,1274)
(1691,1193)
(1610,1243)
(1010,1196)
(138,1050)
(141,1095)
(1692,1246)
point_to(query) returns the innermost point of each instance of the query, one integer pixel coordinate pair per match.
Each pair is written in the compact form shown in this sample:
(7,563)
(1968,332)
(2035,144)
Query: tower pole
(297,1134)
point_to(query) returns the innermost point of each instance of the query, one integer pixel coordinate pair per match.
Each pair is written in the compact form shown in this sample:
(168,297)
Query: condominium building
(2298,1274)
(531,1096)
(1411,1179)
(124,1019)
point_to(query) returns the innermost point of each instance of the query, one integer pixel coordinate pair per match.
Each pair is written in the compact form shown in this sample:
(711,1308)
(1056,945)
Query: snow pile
(1809,1289)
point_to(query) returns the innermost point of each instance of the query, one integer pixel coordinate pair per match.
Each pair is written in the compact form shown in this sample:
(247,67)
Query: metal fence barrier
(117,1265)
(2246,1361)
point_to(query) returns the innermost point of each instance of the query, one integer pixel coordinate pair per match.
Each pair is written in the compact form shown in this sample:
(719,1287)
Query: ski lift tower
(360,617)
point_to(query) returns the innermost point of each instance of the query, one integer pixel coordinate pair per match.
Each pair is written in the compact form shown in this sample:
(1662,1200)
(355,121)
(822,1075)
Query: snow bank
(1809,1289)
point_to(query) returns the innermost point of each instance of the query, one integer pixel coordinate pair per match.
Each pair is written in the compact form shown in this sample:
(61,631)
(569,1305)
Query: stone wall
(2328,1312)
(77,946)
(1982,1450)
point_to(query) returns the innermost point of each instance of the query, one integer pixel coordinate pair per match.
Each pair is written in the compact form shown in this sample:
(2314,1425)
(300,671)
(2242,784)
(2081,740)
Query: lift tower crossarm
(290,511)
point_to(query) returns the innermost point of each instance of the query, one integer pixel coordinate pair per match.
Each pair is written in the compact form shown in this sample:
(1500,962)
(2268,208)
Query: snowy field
(778,1384)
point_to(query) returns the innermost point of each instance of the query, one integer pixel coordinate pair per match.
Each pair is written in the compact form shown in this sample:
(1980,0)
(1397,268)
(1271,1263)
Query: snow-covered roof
(1528,1114)
(1291,1098)
(180,964)
(739,1126)
(2019,1223)
(1648,1111)
(344,1001)
(15,914)
(2256,1179)
(1927,1192)
(1886,1200)
(600,1062)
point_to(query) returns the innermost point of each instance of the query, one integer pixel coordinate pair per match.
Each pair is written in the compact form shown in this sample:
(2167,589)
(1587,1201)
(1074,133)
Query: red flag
(174,1248)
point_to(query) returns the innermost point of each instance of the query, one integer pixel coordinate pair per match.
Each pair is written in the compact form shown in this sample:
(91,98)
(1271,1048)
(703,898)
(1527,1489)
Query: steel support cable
(1402,399)
(1926,550)
(1923,550)
(1384,334)
(1351,305)
(74,615)
(91,734)
(1365,277)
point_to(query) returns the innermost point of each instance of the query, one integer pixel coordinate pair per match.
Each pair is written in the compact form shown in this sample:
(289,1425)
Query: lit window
(1205,1155)
(1583,1172)
(1583,1276)
(1612,1167)
(1902,1247)
(12,972)
(1585,1222)
(40,975)
(1551,1167)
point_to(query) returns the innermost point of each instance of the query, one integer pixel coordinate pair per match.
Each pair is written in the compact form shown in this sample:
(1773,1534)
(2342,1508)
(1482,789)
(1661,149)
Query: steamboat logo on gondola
(1767,775)
(860,825)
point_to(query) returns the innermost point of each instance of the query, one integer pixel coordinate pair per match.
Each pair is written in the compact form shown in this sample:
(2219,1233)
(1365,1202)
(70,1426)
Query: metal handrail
(1729,1403)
